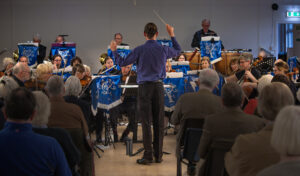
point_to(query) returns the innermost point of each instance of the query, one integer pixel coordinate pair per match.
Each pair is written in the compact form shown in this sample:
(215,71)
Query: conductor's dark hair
(150,30)
(74,59)
(232,95)
(20,104)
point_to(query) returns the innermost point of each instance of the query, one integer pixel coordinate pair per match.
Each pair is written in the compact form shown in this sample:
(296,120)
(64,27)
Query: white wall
(92,23)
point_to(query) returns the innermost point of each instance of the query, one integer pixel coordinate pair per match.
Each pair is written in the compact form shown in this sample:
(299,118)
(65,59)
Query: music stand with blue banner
(67,51)
(176,89)
(165,42)
(191,79)
(123,51)
(211,47)
(30,50)
(182,66)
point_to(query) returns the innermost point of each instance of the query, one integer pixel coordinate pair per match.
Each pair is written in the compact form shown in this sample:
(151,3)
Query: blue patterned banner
(181,66)
(66,50)
(165,42)
(173,93)
(106,93)
(29,50)
(211,49)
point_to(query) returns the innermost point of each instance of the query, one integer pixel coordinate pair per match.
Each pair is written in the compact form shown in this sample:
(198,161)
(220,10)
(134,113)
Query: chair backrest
(190,123)
(214,164)
(191,143)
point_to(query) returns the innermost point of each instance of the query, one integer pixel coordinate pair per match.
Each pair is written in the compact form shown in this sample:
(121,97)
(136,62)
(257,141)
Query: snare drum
(195,63)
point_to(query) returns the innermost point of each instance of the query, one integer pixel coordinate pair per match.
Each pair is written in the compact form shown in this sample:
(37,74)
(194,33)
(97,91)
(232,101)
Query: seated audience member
(22,151)
(24,60)
(205,62)
(56,61)
(73,89)
(40,126)
(229,123)
(74,61)
(253,152)
(7,85)
(284,79)
(43,73)
(69,116)
(181,57)
(285,140)
(21,73)
(197,104)
(251,107)
(8,64)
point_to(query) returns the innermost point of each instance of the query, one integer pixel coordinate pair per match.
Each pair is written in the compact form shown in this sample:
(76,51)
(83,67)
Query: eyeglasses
(57,60)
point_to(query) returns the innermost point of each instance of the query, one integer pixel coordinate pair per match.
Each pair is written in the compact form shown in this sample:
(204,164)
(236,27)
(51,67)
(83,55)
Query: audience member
(285,140)
(22,151)
(253,152)
(8,64)
(197,104)
(40,126)
(21,73)
(228,124)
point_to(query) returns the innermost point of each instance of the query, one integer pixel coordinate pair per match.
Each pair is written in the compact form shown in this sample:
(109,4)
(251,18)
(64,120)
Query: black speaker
(275,6)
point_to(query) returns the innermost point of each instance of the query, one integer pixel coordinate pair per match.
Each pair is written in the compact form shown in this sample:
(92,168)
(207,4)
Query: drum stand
(108,131)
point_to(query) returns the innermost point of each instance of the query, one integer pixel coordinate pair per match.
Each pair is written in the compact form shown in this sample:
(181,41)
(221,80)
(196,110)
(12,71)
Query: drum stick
(162,20)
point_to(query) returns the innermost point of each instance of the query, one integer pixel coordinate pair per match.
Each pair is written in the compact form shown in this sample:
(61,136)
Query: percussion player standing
(151,59)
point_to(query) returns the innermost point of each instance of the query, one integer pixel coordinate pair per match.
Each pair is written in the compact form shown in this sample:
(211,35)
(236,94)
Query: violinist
(74,61)
(181,57)
(108,64)
(78,71)
(24,60)
(169,67)
(234,66)
(246,74)
(8,64)
(129,101)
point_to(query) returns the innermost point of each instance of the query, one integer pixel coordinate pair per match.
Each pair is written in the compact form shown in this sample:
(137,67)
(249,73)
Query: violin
(34,84)
(85,81)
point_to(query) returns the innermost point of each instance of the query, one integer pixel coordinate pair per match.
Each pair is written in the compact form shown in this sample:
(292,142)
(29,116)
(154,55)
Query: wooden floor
(116,162)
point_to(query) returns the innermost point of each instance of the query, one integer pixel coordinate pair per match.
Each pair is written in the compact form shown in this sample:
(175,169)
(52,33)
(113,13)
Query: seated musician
(78,71)
(43,73)
(74,61)
(247,74)
(8,63)
(129,101)
(56,61)
(24,60)
(205,62)
(107,68)
(234,66)
(169,67)
(181,57)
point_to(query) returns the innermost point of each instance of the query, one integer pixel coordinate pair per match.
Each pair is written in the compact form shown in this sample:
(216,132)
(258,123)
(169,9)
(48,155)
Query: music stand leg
(108,131)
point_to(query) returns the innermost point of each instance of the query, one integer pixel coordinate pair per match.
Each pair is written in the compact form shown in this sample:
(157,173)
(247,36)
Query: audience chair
(189,141)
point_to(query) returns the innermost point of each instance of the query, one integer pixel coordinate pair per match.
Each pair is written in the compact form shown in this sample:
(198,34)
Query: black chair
(189,141)
(214,164)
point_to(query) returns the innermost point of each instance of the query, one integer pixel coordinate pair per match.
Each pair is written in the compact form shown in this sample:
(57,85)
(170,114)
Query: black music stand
(266,65)
(108,131)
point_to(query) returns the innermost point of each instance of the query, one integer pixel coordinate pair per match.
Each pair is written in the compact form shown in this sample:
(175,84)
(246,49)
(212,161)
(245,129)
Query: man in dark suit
(42,49)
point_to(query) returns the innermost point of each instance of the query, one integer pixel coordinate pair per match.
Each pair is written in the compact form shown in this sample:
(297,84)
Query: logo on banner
(64,54)
(171,92)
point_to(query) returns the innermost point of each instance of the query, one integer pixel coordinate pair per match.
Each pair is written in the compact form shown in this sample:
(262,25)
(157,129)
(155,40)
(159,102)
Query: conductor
(151,59)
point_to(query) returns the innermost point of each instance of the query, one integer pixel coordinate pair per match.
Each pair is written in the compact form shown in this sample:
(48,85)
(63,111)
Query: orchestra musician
(234,66)
(8,64)
(108,64)
(24,60)
(56,61)
(205,62)
(181,57)
(246,74)
(42,49)
(129,100)
(203,33)
(151,59)
(43,73)
(74,61)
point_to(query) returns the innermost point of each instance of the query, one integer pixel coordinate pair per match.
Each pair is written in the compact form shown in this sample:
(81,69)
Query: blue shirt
(150,58)
(23,152)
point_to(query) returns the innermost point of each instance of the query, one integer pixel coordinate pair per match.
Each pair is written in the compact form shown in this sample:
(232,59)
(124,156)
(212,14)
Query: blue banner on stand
(123,51)
(30,50)
(66,50)
(178,67)
(217,90)
(165,42)
(173,93)
(211,49)
(106,93)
